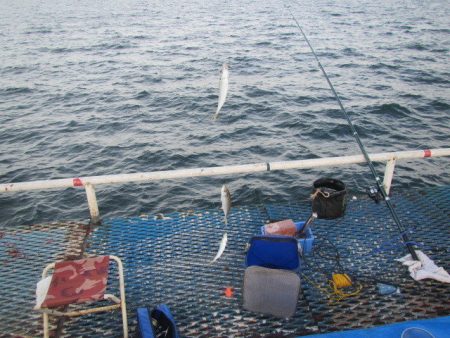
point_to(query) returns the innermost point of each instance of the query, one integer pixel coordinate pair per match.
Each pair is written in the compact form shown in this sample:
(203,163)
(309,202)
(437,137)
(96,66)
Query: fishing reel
(375,194)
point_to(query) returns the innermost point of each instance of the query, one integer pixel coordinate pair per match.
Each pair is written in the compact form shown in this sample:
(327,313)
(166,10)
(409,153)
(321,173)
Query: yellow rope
(340,281)
(335,285)
(317,286)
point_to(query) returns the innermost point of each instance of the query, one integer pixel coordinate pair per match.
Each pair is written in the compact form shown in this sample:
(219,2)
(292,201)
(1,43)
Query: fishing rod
(380,186)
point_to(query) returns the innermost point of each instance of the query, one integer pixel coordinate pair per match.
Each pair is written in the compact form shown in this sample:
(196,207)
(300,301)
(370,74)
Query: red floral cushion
(78,281)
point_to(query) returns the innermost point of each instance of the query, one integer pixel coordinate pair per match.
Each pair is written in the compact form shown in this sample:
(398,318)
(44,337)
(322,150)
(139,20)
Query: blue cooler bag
(158,322)
(273,252)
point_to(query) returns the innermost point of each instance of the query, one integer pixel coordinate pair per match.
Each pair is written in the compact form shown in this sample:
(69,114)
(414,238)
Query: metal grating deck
(166,261)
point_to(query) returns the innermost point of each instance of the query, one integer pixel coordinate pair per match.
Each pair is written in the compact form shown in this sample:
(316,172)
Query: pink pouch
(286,228)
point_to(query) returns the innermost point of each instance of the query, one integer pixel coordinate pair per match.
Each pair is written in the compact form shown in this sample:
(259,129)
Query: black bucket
(329,198)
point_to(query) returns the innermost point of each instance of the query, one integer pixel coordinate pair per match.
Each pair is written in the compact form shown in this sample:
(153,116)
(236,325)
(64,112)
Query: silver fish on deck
(223,244)
(225,197)
(223,88)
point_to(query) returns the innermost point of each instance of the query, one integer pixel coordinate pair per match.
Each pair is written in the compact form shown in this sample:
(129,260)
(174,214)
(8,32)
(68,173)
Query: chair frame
(119,302)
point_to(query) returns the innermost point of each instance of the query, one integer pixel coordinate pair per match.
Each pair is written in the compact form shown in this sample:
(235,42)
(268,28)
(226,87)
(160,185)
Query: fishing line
(380,187)
(340,286)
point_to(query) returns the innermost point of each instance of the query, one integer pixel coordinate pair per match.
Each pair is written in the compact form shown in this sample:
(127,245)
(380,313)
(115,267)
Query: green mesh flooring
(167,261)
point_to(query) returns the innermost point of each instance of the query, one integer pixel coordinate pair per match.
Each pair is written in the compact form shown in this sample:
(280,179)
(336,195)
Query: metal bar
(112,298)
(123,304)
(213,171)
(79,313)
(45,321)
(388,175)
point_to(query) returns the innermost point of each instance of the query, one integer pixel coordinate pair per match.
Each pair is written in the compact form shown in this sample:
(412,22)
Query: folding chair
(75,282)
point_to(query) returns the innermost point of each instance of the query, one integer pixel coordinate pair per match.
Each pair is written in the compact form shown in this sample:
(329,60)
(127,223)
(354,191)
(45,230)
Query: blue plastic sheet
(438,327)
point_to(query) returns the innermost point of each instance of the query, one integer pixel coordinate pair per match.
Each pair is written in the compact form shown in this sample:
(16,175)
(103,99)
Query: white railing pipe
(213,171)
(90,181)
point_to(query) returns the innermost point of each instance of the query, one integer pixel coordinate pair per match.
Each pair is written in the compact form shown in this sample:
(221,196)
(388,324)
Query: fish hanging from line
(223,88)
(223,244)
(225,197)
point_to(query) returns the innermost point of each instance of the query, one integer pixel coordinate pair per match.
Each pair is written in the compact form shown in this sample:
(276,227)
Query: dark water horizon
(93,88)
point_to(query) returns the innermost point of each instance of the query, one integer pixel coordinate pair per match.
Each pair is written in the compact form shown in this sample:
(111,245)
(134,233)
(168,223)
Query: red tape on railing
(77,182)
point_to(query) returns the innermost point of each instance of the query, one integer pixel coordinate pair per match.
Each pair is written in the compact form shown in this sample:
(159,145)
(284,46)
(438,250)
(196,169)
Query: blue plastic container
(273,252)
(305,244)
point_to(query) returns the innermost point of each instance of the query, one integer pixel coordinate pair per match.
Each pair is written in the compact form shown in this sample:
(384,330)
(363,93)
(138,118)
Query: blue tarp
(438,327)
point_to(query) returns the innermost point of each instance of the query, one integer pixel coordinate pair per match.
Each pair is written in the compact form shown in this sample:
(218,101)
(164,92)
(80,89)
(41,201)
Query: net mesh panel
(167,261)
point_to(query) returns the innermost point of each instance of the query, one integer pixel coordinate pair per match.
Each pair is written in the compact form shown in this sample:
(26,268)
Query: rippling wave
(93,88)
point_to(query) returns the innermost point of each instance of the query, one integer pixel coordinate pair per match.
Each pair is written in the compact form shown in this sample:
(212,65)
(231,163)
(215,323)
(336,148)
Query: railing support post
(92,202)
(389,174)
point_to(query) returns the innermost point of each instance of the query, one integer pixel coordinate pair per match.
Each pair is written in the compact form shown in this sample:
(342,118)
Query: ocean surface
(110,87)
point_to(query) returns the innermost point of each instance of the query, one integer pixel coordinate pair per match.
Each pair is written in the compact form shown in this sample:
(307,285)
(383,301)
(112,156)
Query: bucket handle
(318,191)
(327,194)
